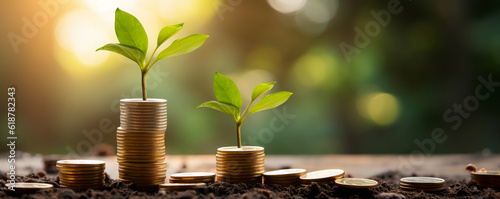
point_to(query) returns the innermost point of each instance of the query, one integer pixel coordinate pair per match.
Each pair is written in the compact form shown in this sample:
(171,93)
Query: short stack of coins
(322,176)
(81,174)
(421,184)
(193,177)
(486,178)
(141,141)
(284,177)
(240,165)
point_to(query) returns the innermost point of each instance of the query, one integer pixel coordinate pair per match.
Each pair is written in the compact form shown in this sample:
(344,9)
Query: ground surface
(387,169)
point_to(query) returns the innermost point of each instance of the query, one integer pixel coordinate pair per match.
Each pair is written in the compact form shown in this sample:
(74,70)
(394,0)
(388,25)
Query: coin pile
(356,183)
(141,141)
(27,187)
(422,184)
(193,177)
(240,165)
(322,176)
(284,177)
(486,178)
(181,186)
(81,174)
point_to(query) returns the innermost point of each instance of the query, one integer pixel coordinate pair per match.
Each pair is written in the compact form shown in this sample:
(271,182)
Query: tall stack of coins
(284,177)
(322,176)
(421,184)
(81,174)
(141,141)
(193,177)
(486,178)
(240,165)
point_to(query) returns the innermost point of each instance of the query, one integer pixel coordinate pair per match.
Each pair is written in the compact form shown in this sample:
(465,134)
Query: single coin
(141,101)
(421,189)
(193,175)
(285,172)
(180,186)
(322,174)
(487,173)
(422,180)
(357,183)
(27,187)
(80,163)
(243,149)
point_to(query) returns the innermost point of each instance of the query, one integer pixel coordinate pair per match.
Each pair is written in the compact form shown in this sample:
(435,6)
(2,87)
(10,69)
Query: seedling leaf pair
(134,43)
(229,100)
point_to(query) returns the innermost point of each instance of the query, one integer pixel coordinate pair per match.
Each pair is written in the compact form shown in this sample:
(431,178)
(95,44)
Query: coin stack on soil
(81,174)
(141,141)
(193,177)
(284,177)
(486,178)
(245,164)
(356,183)
(322,176)
(421,184)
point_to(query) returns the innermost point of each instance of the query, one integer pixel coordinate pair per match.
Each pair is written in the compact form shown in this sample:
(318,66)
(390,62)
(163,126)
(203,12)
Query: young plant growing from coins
(134,43)
(229,100)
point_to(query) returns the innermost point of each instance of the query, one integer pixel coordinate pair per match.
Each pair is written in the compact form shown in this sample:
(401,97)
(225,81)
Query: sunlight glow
(81,34)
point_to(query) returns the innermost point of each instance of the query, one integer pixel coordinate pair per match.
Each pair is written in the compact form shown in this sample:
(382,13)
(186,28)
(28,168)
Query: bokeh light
(287,6)
(381,108)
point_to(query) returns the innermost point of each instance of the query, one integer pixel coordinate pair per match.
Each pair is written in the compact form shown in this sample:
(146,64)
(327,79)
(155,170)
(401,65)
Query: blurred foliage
(392,93)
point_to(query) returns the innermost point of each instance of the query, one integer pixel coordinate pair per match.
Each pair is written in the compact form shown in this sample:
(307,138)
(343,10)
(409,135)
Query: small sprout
(134,43)
(229,100)
(471,167)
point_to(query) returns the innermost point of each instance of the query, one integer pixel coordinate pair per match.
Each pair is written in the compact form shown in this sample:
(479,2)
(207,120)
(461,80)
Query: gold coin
(242,150)
(192,181)
(494,174)
(142,165)
(422,181)
(193,175)
(82,170)
(357,183)
(420,186)
(160,134)
(285,173)
(182,186)
(145,167)
(81,163)
(127,131)
(92,175)
(27,187)
(421,189)
(322,175)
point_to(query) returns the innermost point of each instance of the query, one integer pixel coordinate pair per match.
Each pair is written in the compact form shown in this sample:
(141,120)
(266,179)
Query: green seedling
(134,43)
(229,100)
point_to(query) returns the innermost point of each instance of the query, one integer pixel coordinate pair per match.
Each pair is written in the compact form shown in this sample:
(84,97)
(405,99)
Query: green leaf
(270,101)
(167,32)
(226,91)
(229,109)
(130,52)
(183,46)
(261,89)
(129,31)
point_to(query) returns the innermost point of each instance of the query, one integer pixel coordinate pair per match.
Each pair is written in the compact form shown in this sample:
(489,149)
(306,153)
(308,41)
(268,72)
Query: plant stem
(144,95)
(238,135)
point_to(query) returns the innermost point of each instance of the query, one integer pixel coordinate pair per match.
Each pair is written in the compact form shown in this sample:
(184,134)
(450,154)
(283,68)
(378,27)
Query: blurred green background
(390,92)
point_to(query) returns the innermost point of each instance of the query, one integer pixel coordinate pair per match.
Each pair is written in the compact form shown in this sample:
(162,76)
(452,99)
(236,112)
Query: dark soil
(455,188)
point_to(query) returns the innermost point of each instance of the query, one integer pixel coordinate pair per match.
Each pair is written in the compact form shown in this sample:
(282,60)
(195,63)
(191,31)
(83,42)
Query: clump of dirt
(389,188)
